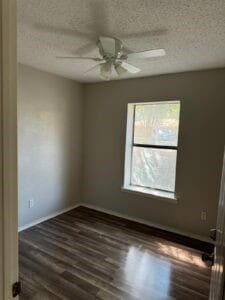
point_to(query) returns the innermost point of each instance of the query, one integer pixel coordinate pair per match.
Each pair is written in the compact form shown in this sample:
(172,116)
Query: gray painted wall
(52,159)
(202,137)
(50,116)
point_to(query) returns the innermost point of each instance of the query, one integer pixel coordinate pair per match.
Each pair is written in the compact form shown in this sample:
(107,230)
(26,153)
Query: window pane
(154,168)
(157,124)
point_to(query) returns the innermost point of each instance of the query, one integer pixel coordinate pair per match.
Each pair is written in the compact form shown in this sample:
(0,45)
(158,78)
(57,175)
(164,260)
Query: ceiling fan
(114,58)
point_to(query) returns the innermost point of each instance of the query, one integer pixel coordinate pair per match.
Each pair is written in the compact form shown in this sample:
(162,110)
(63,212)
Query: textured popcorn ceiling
(191,31)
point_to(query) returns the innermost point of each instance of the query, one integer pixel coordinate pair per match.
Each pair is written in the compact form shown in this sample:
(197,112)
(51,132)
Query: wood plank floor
(84,254)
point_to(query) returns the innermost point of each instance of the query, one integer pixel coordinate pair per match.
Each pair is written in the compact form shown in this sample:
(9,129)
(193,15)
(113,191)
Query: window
(151,147)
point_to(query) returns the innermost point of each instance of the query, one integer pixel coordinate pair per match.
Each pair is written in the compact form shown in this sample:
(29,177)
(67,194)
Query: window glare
(157,124)
(154,168)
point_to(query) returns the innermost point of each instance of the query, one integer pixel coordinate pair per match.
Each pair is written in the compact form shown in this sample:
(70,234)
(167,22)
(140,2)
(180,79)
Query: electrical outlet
(203,215)
(31,203)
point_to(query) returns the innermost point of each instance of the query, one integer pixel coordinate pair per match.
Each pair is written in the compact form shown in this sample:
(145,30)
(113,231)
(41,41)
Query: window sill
(161,195)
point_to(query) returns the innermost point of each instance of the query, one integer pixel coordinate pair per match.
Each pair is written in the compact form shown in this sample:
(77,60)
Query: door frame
(8,149)
(217,276)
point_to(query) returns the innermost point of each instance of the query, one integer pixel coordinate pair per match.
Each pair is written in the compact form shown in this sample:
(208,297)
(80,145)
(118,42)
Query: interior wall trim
(124,216)
(148,223)
(50,216)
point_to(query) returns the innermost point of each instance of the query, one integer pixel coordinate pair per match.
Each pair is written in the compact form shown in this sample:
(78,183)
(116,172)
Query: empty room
(120,146)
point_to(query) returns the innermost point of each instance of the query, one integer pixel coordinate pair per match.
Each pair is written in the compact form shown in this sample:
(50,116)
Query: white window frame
(127,186)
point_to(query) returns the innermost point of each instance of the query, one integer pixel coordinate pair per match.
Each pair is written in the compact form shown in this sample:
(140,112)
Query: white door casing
(217,278)
(8,150)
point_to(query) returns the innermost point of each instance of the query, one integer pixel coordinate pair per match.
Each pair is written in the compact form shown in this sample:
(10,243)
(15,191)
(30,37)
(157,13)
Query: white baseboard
(148,223)
(59,212)
(111,212)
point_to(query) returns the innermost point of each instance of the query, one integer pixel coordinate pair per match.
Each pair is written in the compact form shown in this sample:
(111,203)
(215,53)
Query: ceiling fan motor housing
(110,48)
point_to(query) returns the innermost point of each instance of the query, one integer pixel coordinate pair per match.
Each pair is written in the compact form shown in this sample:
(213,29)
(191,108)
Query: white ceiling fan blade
(77,57)
(108,44)
(130,68)
(120,70)
(148,54)
(95,68)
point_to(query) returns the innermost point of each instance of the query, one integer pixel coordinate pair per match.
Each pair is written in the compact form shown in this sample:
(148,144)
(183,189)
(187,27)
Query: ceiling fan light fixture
(120,70)
(106,70)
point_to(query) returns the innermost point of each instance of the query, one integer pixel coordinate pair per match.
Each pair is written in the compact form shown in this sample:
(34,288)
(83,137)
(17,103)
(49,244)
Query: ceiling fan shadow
(55,30)
(89,47)
(140,35)
(86,49)
(100,24)
(146,34)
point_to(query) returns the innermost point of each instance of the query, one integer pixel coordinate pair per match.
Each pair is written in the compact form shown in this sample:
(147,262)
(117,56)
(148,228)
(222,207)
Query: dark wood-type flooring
(84,255)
